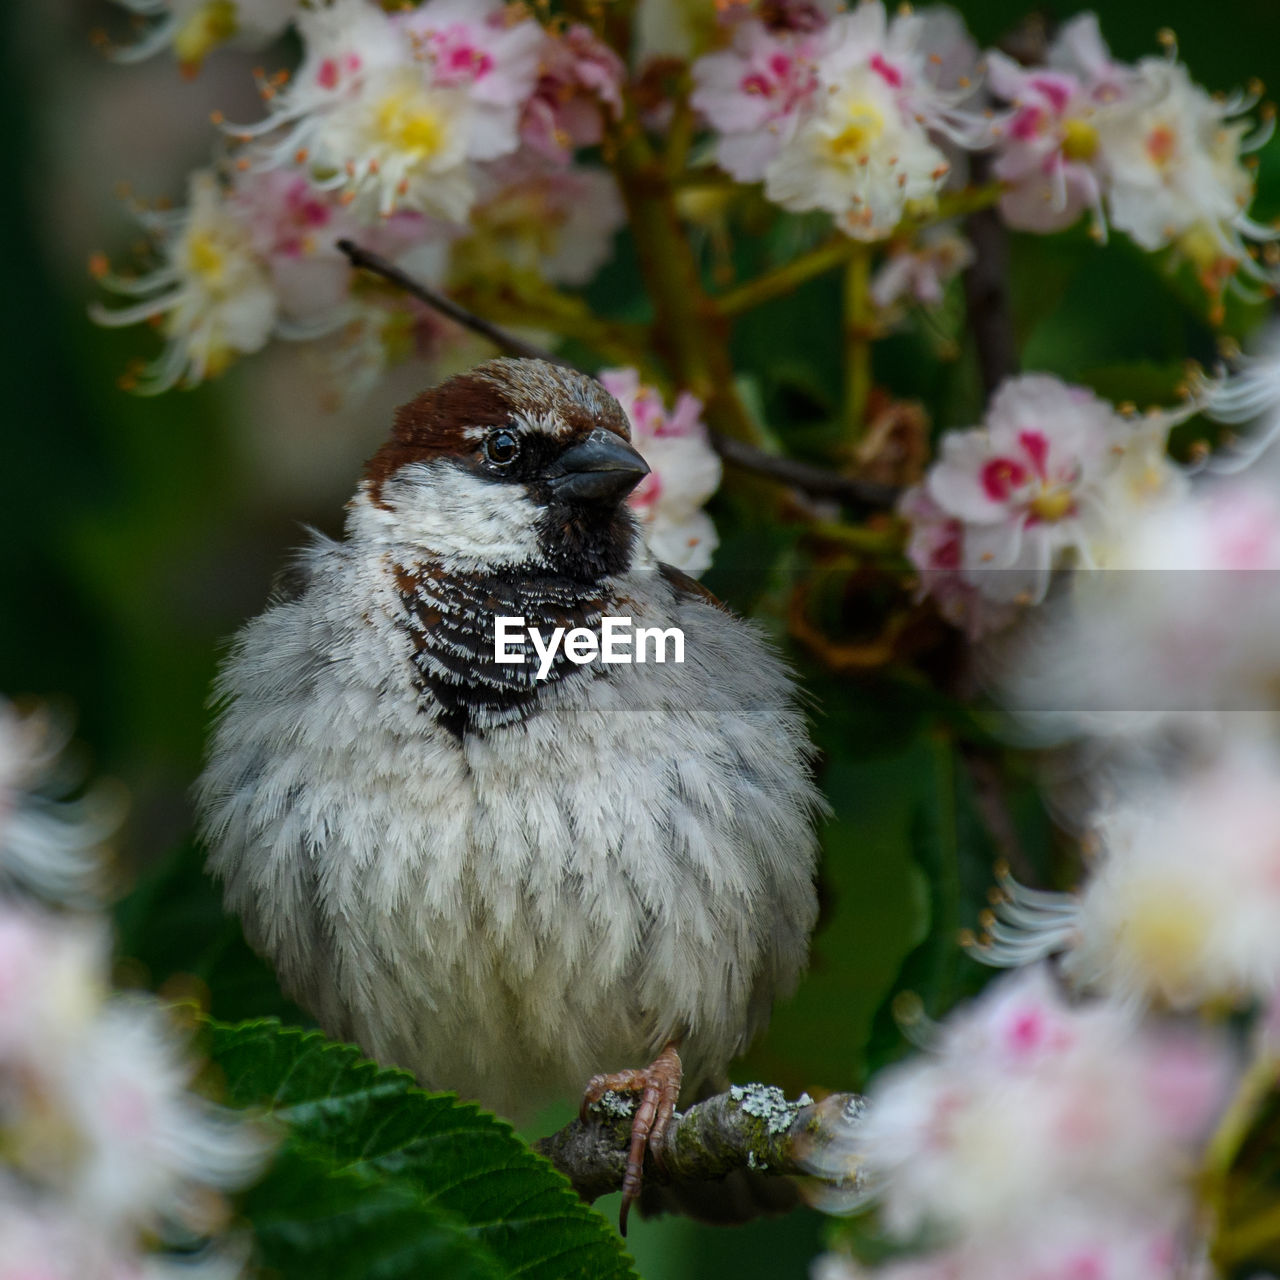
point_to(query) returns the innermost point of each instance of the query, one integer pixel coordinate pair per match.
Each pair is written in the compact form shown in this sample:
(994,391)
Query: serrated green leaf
(387,1152)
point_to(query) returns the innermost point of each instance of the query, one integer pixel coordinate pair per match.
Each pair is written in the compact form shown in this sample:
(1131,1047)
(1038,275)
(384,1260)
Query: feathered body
(501,884)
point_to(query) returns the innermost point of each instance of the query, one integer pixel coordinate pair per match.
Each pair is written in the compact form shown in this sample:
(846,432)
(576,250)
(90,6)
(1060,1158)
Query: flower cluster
(684,471)
(1038,1136)
(105,1150)
(1142,147)
(414,132)
(1164,668)
(1047,480)
(850,116)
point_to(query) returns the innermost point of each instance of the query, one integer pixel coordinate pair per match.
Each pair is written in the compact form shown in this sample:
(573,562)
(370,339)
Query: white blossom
(548,220)
(1183,895)
(1025,1098)
(391,111)
(1177,632)
(1046,480)
(195,28)
(51,843)
(850,120)
(920,269)
(213,297)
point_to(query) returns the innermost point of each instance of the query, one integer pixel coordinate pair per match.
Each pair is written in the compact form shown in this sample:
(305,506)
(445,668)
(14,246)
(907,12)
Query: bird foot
(658,1085)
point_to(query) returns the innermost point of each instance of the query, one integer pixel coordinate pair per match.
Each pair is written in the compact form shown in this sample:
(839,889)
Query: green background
(135,535)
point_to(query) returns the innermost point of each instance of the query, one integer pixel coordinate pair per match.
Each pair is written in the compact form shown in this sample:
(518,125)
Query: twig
(818,482)
(501,338)
(986,293)
(748,1127)
(786,278)
(859,325)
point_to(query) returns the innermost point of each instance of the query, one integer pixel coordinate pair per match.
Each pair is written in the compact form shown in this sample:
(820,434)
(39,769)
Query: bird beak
(602,468)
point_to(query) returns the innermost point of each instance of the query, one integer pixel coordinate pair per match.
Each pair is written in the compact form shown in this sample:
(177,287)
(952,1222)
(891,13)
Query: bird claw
(658,1085)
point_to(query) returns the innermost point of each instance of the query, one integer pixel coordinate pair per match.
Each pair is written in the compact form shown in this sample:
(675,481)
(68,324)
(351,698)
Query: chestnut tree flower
(392,110)
(1050,151)
(53,842)
(546,220)
(1062,1240)
(579,85)
(850,120)
(213,297)
(1178,631)
(1041,483)
(1142,147)
(753,94)
(1184,891)
(921,269)
(104,1150)
(195,28)
(684,471)
(1249,394)
(1026,1098)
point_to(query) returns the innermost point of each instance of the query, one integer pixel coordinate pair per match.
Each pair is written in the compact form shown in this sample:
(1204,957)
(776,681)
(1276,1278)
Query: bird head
(515,464)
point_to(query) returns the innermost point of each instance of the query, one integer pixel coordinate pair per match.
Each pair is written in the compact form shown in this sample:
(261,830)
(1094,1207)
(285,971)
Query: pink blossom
(555,221)
(295,227)
(921,268)
(1027,483)
(1050,151)
(469,44)
(753,93)
(936,548)
(1025,1097)
(579,80)
(684,471)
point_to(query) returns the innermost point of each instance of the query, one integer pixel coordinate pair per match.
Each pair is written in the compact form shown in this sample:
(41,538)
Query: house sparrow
(499,882)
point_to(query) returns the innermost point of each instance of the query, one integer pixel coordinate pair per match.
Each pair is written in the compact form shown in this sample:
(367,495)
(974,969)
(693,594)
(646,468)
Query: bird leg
(658,1085)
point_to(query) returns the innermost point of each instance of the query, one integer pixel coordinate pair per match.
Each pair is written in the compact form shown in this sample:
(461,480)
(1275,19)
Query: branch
(501,338)
(749,1127)
(986,292)
(817,482)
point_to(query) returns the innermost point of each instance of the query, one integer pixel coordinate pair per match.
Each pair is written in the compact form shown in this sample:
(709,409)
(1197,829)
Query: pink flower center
(1054,90)
(1027,1032)
(1028,123)
(331,70)
(1001,476)
(457,58)
(890,75)
(946,555)
(1085,1266)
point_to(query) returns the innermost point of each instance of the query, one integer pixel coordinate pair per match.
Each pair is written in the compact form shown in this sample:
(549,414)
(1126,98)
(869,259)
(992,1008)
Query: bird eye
(502,448)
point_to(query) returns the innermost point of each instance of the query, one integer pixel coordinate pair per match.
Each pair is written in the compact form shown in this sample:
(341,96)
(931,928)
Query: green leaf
(379,1178)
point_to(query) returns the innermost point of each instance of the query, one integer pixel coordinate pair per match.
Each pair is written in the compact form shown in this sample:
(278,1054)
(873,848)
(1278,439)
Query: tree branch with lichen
(747,1127)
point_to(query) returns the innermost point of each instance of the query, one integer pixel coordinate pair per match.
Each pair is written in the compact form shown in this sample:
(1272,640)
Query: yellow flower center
(407,121)
(207,258)
(203,30)
(1052,505)
(1165,933)
(1079,140)
(863,127)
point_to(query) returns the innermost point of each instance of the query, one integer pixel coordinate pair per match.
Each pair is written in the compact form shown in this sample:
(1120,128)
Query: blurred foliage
(135,537)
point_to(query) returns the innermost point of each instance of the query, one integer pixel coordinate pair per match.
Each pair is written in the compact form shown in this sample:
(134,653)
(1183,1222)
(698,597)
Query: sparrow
(500,882)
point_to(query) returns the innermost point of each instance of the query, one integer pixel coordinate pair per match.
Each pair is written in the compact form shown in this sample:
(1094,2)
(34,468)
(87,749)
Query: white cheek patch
(464,521)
